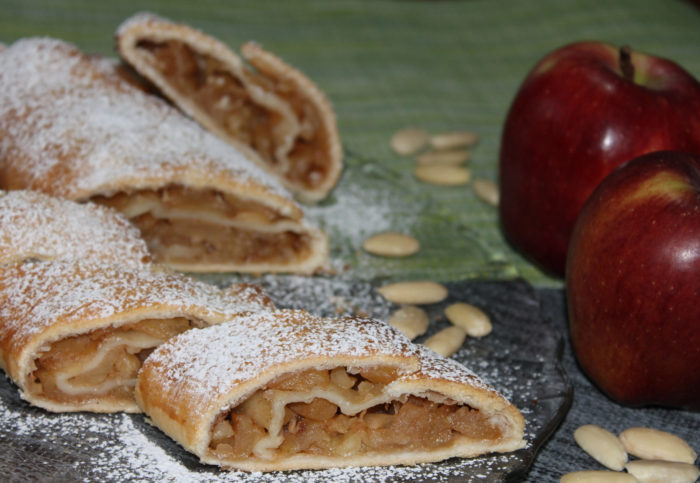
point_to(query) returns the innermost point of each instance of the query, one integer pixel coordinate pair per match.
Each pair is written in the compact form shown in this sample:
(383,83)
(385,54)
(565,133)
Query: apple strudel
(286,390)
(267,106)
(73,335)
(71,129)
(36,226)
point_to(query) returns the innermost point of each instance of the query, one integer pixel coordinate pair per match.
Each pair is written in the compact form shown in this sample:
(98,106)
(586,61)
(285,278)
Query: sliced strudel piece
(34,225)
(266,106)
(287,390)
(72,129)
(74,335)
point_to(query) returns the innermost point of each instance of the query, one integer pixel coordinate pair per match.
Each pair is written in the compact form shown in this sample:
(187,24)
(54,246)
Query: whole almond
(602,445)
(453,140)
(409,141)
(653,444)
(648,471)
(442,174)
(414,293)
(411,320)
(591,476)
(443,157)
(472,319)
(391,244)
(446,341)
(486,190)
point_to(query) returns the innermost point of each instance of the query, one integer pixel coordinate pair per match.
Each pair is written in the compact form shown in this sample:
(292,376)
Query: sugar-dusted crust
(43,302)
(73,129)
(34,225)
(304,149)
(190,380)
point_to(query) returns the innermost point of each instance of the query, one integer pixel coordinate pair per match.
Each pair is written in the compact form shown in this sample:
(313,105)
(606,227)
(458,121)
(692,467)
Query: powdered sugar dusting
(38,294)
(34,225)
(435,366)
(204,363)
(73,131)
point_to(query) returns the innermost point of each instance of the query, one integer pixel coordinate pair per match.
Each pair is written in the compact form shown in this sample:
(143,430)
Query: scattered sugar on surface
(115,448)
(358,208)
(354,213)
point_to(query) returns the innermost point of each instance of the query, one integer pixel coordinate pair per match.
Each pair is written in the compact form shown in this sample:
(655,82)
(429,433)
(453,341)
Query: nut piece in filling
(340,413)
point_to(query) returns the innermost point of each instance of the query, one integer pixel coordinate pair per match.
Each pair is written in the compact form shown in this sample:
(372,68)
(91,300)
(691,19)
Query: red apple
(633,282)
(581,112)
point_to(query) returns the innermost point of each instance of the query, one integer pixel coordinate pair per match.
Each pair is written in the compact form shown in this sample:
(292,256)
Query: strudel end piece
(72,129)
(269,107)
(37,226)
(287,390)
(74,335)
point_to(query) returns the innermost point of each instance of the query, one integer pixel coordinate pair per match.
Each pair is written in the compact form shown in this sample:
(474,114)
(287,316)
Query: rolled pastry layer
(34,225)
(286,390)
(269,107)
(74,335)
(72,128)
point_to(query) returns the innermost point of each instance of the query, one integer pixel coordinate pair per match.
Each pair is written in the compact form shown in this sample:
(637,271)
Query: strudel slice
(34,225)
(286,390)
(74,335)
(266,106)
(72,129)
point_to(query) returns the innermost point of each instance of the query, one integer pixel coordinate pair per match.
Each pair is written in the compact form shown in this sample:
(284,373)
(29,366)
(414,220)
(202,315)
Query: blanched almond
(652,444)
(391,244)
(409,141)
(443,157)
(411,320)
(414,293)
(447,341)
(650,471)
(602,445)
(453,140)
(472,319)
(597,477)
(442,174)
(486,190)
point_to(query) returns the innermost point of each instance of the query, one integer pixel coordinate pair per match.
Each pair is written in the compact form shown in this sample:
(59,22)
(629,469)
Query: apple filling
(340,413)
(260,110)
(102,363)
(183,226)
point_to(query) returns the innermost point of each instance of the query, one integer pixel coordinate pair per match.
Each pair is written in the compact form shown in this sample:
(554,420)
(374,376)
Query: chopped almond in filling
(245,115)
(341,413)
(181,225)
(101,363)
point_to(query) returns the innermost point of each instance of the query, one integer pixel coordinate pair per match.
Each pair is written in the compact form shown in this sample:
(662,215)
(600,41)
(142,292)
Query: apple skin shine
(632,282)
(583,110)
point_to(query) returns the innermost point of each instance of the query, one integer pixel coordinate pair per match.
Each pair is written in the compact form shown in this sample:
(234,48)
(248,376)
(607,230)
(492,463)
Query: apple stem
(626,65)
